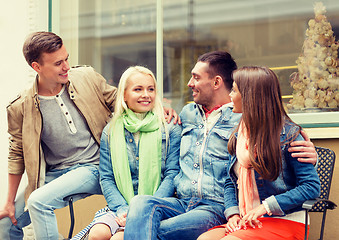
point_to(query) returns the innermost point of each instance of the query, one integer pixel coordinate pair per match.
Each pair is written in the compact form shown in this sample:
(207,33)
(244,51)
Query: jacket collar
(35,87)
(34,91)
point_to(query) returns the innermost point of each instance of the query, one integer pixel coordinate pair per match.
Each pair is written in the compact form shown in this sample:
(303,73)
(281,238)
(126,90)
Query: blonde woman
(139,151)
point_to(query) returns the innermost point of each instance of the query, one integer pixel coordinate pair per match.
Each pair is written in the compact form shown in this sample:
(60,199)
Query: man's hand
(304,150)
(169,114)
(8,211)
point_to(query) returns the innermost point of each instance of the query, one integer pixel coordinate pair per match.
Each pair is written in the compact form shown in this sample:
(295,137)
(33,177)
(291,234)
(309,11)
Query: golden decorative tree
(316,84)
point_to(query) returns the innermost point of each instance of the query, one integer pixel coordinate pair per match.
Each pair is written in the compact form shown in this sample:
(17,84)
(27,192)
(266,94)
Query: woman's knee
(118,236)
(100,232)
(205,236)
(214,234)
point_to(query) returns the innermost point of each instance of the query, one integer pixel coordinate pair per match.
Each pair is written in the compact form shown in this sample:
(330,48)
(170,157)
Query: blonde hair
(120,104)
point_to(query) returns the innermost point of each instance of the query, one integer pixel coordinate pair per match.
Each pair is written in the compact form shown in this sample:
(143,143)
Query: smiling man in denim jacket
(207,124)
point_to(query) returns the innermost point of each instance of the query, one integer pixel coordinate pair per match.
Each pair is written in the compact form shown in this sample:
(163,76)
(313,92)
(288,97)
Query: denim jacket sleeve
(230,193)
(307,185)
(171,158)
(115,201)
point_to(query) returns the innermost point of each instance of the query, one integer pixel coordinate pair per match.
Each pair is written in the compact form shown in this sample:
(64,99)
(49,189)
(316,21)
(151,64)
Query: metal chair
(71,213)
(326,159)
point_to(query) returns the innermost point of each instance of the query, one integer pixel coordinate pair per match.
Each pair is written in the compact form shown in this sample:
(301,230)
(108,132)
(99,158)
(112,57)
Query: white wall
(17,20)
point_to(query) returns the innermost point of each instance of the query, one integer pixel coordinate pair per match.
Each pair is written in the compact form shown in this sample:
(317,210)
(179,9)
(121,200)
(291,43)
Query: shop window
(114,34)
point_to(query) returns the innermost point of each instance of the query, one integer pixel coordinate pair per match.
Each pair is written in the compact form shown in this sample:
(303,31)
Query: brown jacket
(91,95)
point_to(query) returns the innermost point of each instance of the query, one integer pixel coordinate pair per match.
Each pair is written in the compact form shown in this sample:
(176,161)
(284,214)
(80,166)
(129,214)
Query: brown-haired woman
(265,186)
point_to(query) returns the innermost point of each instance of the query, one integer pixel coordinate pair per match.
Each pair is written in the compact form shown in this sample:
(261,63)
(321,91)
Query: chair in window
(326,159)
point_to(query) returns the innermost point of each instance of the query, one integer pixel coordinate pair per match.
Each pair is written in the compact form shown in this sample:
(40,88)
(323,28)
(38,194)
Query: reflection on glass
(254,32)
(114,34)
(316,83)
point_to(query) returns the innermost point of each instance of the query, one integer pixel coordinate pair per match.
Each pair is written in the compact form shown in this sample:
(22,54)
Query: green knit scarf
(149,153)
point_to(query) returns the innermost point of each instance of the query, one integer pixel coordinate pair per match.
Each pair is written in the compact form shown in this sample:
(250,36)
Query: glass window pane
(116,34)
(269,33)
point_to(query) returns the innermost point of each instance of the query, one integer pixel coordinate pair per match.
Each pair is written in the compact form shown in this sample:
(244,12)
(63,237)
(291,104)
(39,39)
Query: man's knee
(140,202)
(33,201)
(139,205)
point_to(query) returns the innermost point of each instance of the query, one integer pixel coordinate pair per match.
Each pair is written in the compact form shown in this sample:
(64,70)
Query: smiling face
(140,93)
(53,67)
(236,99)
(202,85)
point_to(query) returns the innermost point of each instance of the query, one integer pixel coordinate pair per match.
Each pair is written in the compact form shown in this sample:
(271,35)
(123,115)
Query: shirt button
(197,143)
(194,182)
(195,165)
(70,122)
(137,158)
(200,126)
(130,140)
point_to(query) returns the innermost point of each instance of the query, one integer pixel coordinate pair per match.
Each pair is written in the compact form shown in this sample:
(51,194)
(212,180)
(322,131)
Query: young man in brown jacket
(55,128)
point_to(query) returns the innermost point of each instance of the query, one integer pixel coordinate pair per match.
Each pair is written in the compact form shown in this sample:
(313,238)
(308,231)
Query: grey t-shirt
(66,138)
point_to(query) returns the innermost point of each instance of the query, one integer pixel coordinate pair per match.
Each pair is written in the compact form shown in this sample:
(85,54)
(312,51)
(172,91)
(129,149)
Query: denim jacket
(296,183)
(169,167)
(203,153)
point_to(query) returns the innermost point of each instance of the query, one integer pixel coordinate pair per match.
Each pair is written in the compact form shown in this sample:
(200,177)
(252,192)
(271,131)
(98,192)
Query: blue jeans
(10,231)
(78,181)
(171,218)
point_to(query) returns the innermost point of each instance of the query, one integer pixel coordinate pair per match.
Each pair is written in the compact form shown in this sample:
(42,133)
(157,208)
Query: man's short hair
(38,43)
(220,63)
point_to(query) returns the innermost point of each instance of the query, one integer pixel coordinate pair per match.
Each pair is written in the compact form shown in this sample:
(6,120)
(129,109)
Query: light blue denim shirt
(169,167)
(296,183)
(203,153)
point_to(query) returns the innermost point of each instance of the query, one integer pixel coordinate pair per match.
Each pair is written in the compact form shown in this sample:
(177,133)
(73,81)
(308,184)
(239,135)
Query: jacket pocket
(217,144)
(186,141)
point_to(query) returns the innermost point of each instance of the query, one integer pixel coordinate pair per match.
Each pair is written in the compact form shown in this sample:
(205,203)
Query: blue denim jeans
(10,231)
(171,218)
(78,181)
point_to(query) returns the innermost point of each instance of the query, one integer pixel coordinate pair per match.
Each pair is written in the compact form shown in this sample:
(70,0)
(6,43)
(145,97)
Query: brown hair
(264,117)
(38,43)
(220,63)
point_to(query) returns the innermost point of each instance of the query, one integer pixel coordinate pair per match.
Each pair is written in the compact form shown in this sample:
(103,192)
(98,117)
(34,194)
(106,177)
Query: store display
(316,84)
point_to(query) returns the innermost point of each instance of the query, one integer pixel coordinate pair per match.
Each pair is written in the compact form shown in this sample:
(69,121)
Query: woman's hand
(121,221)
(251,218)
(233,224)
